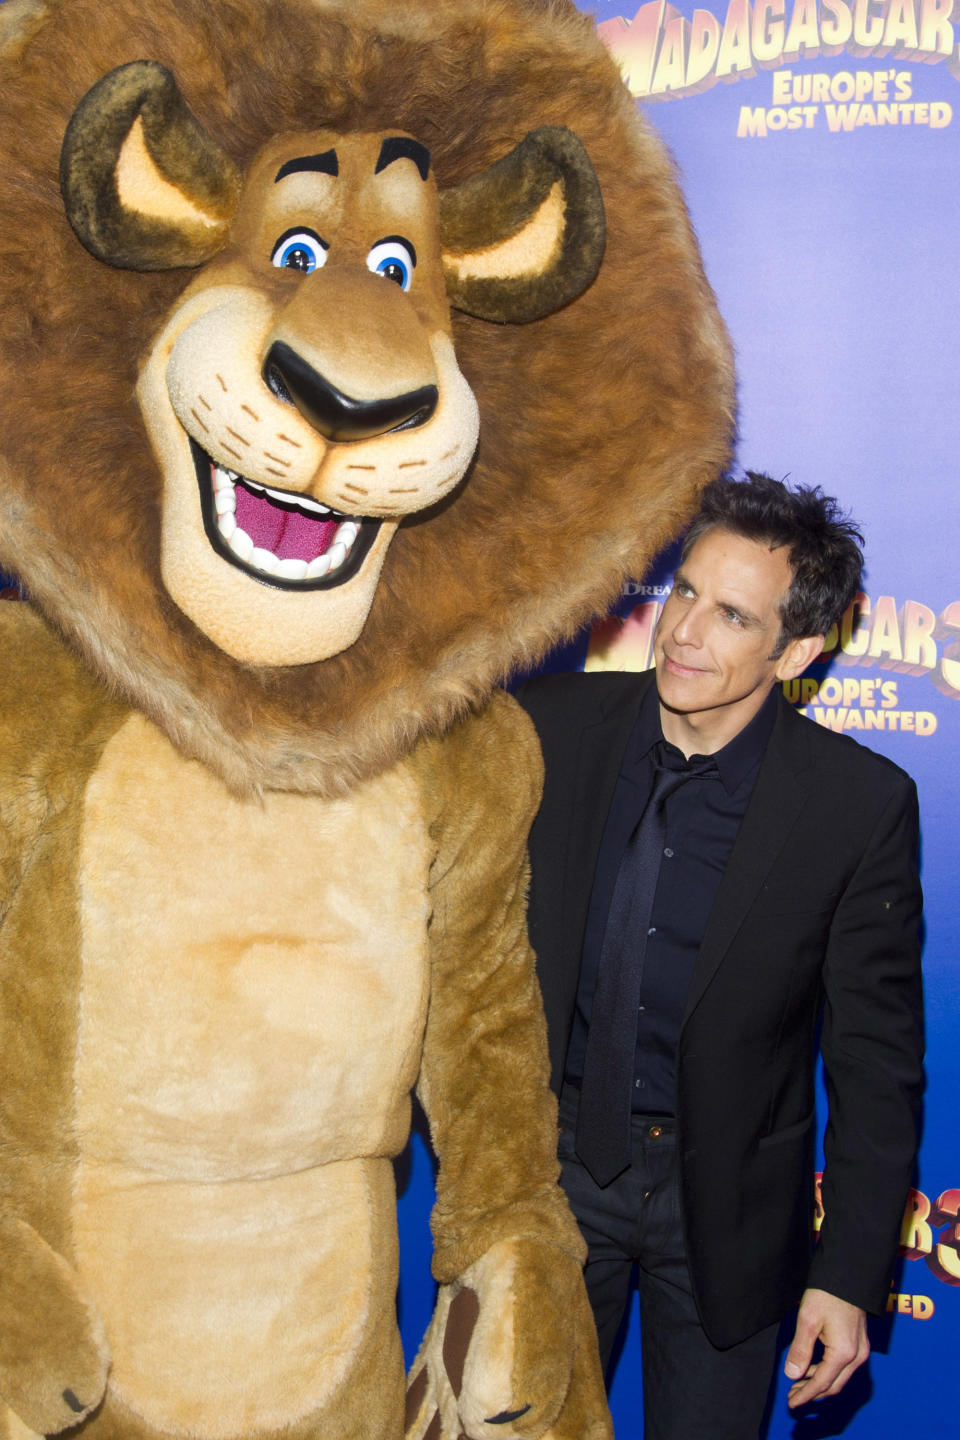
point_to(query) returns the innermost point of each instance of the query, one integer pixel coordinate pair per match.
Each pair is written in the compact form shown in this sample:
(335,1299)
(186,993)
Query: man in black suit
(719,883)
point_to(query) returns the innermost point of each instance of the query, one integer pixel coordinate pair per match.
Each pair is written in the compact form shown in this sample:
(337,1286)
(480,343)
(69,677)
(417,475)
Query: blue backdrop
(818,153)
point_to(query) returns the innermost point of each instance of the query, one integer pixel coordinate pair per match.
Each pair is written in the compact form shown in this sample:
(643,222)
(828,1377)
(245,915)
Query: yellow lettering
(900,30)
(945,1259)
(752,123)
(782,87)
(830,719)
(947,679)
(916,1236)
(767,33)
(917,623)
(936,31)
(885,633)
(635,50)
(867,28)
(803,36)
(671,71)
(734,55)
(836,25)
(704,46)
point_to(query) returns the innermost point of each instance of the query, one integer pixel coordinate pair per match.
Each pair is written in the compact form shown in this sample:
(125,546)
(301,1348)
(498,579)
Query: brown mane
(598,424)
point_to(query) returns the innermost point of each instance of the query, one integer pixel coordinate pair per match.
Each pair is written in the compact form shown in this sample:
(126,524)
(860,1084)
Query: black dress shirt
(702,821)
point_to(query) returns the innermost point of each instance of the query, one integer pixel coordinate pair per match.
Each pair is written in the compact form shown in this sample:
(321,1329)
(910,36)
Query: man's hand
(842,1329)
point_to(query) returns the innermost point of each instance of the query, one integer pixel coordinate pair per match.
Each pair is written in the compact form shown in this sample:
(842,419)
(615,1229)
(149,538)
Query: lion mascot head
(384,354)
(352,354)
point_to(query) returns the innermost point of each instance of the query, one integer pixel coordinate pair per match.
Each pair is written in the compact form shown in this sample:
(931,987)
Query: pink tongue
(289,534)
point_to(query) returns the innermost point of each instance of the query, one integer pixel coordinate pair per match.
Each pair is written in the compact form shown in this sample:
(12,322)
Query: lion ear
(145,187)
(526,236)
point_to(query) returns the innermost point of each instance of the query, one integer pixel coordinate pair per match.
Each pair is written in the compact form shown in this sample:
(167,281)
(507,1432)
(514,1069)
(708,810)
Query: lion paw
(510,1354)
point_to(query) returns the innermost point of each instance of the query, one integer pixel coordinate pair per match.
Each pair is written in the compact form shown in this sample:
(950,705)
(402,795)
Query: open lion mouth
(278,536)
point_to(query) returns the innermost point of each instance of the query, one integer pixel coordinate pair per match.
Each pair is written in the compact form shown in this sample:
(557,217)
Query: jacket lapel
(781,791)
(600,744)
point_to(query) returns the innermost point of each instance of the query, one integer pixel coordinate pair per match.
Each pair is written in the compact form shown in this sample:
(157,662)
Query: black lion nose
(335,415)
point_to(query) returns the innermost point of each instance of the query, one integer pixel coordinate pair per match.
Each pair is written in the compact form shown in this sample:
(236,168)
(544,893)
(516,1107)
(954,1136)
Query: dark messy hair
(825,546)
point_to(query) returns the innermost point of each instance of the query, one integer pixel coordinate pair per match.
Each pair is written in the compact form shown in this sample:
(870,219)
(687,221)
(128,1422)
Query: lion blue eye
(395,259)
(299,250)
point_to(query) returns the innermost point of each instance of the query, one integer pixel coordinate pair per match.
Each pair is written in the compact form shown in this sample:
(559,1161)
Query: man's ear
(798,655)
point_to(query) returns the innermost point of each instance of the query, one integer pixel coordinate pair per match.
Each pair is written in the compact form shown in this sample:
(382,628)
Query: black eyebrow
(325,164)
(400,147)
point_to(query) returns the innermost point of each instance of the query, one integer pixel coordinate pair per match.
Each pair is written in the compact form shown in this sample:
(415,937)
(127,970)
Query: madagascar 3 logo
(663,55)
(874,635)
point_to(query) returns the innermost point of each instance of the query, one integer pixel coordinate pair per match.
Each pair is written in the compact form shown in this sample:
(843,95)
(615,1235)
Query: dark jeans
(691,1390)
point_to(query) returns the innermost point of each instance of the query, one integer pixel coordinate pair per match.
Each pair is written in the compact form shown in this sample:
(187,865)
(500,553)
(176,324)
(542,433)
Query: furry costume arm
(511,1349)
(53,1353)
(485,1061)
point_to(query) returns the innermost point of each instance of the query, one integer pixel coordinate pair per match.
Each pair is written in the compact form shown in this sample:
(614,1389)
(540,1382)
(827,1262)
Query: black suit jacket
(813,931)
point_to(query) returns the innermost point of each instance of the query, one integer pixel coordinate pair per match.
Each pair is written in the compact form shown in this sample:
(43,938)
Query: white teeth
(291,569)
(264,560)
(225,504)
(285,497)
(241,544)
(318,567)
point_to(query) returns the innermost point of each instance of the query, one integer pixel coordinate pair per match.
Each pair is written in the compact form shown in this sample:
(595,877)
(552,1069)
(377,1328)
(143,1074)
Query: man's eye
(299,250)
(395,259)
(734,618)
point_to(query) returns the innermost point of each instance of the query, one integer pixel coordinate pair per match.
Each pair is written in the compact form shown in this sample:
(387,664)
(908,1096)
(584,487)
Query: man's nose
(689,627)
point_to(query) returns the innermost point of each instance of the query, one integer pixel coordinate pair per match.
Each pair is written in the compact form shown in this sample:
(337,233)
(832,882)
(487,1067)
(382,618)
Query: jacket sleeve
(872,1047)
(484,1074)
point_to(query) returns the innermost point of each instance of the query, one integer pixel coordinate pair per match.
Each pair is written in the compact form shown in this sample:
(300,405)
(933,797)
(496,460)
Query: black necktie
(603,1118)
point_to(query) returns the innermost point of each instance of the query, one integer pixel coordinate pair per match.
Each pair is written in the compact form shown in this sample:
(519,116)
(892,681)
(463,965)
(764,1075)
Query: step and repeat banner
(818,146)
(819,150)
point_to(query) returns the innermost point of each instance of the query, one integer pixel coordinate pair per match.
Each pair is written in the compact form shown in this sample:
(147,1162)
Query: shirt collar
(738,758)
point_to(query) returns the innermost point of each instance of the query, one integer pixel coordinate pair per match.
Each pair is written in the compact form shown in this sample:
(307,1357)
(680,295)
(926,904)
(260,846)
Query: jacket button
(655,1132)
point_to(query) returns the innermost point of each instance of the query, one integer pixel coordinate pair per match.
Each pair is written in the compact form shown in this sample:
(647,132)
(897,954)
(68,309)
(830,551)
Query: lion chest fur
(253,948)
(252,998)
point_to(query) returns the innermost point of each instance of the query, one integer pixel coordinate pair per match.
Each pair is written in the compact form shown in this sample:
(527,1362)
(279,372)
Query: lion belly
(251,1013)
(239,1308)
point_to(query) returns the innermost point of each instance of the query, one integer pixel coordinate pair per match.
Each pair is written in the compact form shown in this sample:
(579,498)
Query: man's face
(718,629)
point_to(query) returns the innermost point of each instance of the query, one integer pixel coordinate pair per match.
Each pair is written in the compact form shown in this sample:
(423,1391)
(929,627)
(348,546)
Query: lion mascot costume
(353,353)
